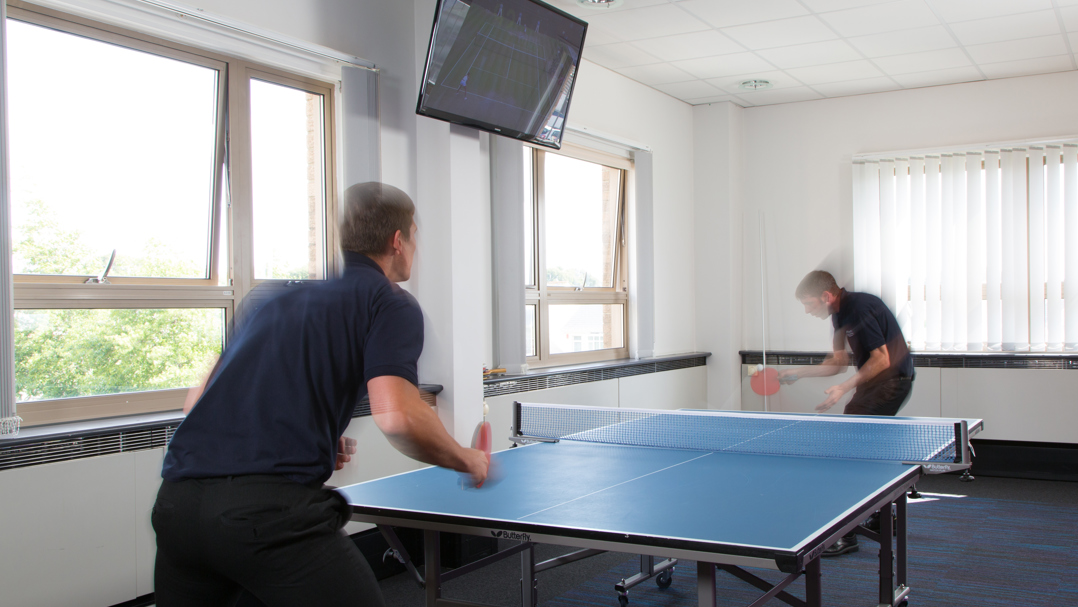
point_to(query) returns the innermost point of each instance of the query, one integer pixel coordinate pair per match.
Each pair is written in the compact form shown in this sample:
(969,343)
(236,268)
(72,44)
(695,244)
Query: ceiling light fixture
(755,85)
(599,4)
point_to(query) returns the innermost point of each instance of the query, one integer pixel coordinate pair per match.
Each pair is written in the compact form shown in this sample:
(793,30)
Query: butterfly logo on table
(511,535)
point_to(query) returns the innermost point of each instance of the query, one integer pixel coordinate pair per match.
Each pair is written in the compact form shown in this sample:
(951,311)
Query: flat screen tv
(503,66)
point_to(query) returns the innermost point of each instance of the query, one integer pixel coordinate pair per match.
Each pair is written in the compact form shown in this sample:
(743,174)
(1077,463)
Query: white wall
(797,161)
(610,103)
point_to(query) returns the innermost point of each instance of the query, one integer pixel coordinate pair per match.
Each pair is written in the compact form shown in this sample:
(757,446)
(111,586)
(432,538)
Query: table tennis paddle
(766,382)
(482,438)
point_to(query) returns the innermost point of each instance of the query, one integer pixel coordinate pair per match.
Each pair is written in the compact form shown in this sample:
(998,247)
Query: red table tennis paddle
(482,440)
(766,382)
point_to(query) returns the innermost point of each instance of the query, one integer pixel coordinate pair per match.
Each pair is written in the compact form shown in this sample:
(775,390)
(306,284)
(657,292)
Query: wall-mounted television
(503,66)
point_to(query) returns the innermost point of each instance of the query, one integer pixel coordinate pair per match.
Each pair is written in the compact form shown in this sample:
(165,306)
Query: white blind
(973,250)
(9,421)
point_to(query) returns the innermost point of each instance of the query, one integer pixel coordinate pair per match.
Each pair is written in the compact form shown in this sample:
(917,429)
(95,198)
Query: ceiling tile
(772,96)
(648,22)
(909,41)
(1070,17)
(689,46)
(953,11)
(598,37)
(689,90)
(1025,67)
(586,13)
(706,100)
(832,51)
(621,54)
(937,77)
(923,62)
(879,18)
(777,78)
(835,72)
(1011,27)
(724,13)
(783,32)
(1029,48)
(652,75)
(823,6)
(857,87)
(724,65)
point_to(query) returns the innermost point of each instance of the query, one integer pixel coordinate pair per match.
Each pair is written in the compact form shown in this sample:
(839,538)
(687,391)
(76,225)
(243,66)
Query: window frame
(543,296)
(230,226)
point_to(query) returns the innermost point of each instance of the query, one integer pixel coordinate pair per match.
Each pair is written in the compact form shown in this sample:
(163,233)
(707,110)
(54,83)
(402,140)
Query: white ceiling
(699,51)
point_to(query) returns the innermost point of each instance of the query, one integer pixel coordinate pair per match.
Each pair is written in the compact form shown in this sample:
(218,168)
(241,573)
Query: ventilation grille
(50,451)
(554,380)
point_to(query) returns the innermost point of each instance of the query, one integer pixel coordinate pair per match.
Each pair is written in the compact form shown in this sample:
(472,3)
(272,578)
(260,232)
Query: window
(575,274)
(973,250)
(152,187)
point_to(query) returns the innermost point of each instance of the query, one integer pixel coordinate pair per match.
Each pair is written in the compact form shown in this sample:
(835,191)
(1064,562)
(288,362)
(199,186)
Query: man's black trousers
(277,539)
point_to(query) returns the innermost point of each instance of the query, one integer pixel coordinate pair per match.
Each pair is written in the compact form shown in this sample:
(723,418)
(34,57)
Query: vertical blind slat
(1037,239)
(993,250)
(1070,215)
(1008,291)
(975,254)
(888,235)
(947,276)
(934,250)
(961,252)
(917,252)
(1020,211)
(1054,241)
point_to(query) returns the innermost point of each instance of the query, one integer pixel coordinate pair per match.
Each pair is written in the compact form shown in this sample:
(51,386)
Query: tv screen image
(504,66)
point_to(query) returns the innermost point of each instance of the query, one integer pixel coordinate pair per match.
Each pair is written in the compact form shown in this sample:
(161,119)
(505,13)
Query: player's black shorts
(883,398)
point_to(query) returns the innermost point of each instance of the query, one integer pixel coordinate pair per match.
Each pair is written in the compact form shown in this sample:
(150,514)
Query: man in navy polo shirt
(242,506)
(884,377)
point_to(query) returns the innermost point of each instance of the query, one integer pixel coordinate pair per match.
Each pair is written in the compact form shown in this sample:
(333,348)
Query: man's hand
(346,447)
(834,393)
(476,466)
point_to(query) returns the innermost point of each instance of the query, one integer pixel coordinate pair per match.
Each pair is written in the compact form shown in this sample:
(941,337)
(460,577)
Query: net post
(962,433)
(516,418)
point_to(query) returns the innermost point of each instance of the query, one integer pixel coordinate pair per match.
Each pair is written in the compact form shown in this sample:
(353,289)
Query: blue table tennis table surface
(675,500)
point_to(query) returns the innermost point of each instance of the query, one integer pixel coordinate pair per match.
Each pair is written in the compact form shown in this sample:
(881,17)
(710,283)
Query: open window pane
(530,312)
(581,207)
(529,220)
(586,327)
(68,353)
(110,148)
(288,163)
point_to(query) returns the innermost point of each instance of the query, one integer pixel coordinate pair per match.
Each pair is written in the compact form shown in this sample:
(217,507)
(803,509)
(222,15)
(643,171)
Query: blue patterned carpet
(962,551)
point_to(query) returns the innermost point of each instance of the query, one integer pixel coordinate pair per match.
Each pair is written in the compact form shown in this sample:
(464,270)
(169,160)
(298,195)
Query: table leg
(887,565)
(900,549)
(813,589)
(705,584)
(432,555)
(529,592)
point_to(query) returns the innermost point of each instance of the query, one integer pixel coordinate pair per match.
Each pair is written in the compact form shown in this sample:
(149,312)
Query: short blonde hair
(373,212)
(815,283)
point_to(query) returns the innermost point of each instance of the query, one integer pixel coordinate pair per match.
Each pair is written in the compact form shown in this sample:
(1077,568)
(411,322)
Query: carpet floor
(962,551)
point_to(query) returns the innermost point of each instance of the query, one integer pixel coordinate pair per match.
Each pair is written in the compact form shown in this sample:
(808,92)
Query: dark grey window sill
(943,360)
(553,377)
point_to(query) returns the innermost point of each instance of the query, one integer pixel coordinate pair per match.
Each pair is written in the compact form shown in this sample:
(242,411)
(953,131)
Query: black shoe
(842,546)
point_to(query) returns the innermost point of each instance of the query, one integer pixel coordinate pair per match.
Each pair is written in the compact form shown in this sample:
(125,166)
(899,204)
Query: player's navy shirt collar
(353,260)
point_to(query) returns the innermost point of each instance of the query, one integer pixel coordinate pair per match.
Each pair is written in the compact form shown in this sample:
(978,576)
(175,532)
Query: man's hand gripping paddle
(482,440)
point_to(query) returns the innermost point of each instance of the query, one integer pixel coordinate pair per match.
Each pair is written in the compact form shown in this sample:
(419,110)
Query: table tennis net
(887,439)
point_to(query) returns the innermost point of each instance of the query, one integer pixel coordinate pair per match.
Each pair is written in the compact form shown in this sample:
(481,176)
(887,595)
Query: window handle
(103,278)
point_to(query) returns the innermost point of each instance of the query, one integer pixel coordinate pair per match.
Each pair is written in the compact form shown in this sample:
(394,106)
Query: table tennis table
(727,489)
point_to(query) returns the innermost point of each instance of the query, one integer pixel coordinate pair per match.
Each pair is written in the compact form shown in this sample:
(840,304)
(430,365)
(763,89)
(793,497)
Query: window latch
(103,278)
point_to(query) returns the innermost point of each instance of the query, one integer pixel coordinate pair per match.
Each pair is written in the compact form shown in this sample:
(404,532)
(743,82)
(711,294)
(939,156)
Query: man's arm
(832,365)
(414,429)
(879,360)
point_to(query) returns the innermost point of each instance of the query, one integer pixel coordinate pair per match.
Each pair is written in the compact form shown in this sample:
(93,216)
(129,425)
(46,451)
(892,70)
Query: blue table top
(697,499)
